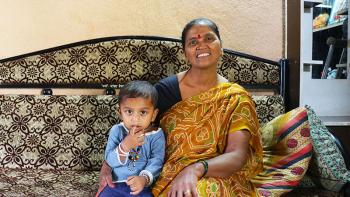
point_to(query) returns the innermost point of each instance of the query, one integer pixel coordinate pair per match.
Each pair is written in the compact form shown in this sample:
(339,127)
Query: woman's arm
(234,158)
(105,178)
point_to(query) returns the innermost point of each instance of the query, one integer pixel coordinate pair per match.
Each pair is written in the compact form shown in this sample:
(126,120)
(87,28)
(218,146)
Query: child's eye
(128,111)
(143,113)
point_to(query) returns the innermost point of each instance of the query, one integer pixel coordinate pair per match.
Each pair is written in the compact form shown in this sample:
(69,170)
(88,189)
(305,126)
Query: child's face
(137,113)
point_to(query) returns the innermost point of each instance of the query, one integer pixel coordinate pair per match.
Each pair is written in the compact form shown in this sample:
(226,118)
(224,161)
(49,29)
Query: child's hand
(134,139)
(136,184)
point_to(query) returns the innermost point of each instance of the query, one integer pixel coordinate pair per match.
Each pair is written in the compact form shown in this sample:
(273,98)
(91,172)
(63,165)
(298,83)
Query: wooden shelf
(343,12)
(313,62)
(336,120)
(324,6)
(340,65)
(312,3)
(328,27)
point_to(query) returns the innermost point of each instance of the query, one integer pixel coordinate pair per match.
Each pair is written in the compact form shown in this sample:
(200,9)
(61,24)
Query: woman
(213,144)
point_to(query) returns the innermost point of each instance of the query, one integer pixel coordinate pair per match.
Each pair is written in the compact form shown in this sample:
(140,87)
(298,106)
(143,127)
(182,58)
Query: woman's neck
(200,78)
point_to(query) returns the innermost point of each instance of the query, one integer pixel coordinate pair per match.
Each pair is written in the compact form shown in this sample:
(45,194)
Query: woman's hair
(138,89)
(199,21)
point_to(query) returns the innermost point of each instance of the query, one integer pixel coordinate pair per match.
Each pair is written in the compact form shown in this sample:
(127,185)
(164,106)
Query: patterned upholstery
(55,132)
(36,130)
(268,107)
(53,145)
(119,60)
(53,183)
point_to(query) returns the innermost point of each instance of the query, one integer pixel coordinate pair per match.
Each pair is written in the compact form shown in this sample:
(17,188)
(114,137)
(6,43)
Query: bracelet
(148,176)
(205,165)
(118,152)
(121,149)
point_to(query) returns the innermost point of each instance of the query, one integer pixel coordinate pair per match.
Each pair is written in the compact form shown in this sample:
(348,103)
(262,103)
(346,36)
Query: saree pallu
(197,128)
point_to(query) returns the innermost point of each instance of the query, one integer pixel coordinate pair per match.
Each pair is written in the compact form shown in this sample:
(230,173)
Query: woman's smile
(203,55)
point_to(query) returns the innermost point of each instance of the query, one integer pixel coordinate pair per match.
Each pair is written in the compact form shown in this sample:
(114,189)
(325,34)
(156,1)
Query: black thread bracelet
(205,165)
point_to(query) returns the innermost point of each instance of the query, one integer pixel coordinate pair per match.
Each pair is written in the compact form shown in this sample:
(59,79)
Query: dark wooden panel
(293,54)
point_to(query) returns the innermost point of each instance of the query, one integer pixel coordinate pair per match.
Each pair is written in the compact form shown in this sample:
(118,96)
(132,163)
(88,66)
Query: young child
(135,152)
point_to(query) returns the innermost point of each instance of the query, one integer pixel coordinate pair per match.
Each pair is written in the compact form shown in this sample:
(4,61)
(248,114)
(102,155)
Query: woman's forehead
(200,30)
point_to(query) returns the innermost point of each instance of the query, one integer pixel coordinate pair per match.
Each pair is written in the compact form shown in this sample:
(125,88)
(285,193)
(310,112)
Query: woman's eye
(143,113)
(209,38)
(129,112)
(192,42)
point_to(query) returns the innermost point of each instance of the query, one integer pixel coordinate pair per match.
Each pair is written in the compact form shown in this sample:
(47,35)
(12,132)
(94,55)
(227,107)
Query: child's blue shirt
(151,154)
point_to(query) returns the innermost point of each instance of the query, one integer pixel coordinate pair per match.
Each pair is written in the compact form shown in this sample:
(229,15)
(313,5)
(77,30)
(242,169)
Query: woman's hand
(185,183)
(105,178)
(136,184)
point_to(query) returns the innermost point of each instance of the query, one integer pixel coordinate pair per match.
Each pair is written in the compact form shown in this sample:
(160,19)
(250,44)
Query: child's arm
(117,149)
(112,155)
(156,160)
(153,167)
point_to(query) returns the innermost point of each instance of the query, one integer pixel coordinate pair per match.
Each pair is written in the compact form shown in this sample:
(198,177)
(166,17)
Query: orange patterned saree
(197,128)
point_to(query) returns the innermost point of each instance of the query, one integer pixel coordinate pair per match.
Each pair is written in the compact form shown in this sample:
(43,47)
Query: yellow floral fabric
(197,128)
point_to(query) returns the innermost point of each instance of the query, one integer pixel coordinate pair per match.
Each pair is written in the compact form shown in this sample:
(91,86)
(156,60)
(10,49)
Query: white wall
(251,26)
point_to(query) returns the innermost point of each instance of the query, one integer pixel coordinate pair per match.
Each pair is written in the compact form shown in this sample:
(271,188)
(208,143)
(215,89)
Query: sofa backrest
(55,132)
(117,60)
(70,131)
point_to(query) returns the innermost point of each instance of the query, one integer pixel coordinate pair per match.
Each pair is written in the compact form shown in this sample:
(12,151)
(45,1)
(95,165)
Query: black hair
(136,89)
(199,21)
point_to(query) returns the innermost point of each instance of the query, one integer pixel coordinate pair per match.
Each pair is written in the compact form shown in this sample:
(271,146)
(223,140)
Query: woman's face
(202,47)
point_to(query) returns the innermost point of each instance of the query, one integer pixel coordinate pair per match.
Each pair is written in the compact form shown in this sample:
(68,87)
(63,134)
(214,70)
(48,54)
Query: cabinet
(330,98)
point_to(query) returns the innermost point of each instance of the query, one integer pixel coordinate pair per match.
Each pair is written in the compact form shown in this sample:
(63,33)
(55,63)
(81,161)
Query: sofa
(57,106)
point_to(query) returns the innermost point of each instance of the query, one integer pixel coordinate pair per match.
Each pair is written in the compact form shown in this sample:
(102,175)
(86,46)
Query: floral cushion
(287,152)
(327,167)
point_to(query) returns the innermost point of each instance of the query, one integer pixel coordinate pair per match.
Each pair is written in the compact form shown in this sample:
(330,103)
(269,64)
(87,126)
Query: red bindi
(198,36)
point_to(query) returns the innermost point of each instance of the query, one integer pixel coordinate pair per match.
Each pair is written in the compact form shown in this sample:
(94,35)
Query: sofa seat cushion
(37,182)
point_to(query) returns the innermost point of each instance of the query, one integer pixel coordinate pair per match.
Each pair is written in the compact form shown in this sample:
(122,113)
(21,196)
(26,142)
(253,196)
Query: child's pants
(122,189)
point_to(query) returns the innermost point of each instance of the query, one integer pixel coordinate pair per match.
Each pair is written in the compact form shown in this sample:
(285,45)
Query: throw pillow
(327,166)
(287,151)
